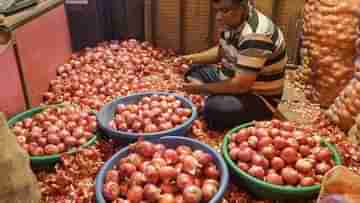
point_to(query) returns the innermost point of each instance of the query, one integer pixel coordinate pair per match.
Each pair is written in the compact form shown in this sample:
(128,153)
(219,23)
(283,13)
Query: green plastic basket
(43,161)
(266,190)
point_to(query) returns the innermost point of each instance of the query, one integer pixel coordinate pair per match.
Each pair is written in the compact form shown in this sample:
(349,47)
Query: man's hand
(191,88)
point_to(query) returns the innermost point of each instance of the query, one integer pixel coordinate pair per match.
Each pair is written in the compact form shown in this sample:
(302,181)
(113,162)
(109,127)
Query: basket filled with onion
(275,160)
(170,169)
(47,132)
(149,115)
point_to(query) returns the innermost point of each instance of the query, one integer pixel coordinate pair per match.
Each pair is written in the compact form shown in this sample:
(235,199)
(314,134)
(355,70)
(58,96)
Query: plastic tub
(107,113)
(51,159)
(170,142)
(266,190)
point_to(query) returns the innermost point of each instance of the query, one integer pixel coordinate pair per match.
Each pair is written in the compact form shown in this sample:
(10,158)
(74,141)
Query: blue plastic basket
(107,113)
(171,142)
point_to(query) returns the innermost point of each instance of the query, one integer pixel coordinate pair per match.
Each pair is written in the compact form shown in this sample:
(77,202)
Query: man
(252,51)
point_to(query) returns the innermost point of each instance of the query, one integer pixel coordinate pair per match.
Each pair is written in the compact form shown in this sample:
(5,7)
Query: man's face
(231,15)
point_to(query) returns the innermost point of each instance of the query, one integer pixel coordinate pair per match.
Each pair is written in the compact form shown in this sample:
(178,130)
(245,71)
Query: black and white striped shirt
(257,45)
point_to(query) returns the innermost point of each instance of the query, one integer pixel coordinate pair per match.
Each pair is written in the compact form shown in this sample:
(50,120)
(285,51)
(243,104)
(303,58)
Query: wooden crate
(196,25)
(167,24)
(184,26)
(288,17)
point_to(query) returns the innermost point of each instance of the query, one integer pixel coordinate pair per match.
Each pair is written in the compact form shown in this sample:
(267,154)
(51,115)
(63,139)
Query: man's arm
(240,83)
(206,57)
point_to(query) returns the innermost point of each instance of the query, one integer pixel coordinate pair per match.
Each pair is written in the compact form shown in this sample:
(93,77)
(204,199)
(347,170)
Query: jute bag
(17,181)
(340,183)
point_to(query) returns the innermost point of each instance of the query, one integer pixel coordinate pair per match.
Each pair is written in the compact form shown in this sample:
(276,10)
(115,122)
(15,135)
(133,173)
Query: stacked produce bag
(329,36)
(17,183)
(340,185)
(347,105)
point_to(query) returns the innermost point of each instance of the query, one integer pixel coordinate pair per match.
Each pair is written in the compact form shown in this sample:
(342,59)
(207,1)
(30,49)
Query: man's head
(232,12)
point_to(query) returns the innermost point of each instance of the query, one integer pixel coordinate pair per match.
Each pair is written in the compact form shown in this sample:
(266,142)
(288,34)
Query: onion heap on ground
(329,35)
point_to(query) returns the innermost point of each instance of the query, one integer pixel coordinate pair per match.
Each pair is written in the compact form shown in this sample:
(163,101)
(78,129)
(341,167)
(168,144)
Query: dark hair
(236,2)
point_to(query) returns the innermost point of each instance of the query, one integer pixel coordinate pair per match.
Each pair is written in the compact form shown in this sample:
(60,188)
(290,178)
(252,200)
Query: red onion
(274,179)
(184,180)
(112,176)
(257,171)
(111,190)
(268,152)
(167,198)
(135,194)
(303,166)
(307,181)
(167,172)
(151,192)
(208,191)
(324,155)
(289,155)
(127,169)
(243,166)
(170,156)
(138,178)
(211,171)
(322,168)
(290,175)
(192,194)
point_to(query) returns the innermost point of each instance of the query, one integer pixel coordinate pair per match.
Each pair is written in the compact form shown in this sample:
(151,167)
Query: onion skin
(111,191)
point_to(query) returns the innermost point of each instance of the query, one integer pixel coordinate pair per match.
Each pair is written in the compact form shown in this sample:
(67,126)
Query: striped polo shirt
(257,45)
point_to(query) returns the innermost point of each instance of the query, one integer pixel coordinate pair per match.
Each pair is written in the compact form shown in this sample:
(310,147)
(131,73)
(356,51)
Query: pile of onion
(280,154)
(151,114)
(75,174)
(98,75)
(55,130)
(329,37)
(154,173)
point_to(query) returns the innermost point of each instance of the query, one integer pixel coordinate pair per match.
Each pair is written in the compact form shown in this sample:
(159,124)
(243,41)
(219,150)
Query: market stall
(115,125)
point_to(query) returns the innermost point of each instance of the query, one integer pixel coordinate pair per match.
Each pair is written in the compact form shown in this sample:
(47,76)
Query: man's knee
(220,104)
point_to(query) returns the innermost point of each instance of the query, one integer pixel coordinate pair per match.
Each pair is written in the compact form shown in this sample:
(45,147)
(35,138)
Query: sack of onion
(340,185)
(48,131)
(278,159)
(329,36)
(17,181)
(171,169)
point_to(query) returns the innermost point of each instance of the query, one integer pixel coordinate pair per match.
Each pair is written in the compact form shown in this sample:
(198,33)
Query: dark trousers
(226,111)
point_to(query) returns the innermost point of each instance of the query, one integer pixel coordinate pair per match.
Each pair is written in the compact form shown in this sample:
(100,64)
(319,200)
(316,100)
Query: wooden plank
(168,24)
(148,20)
